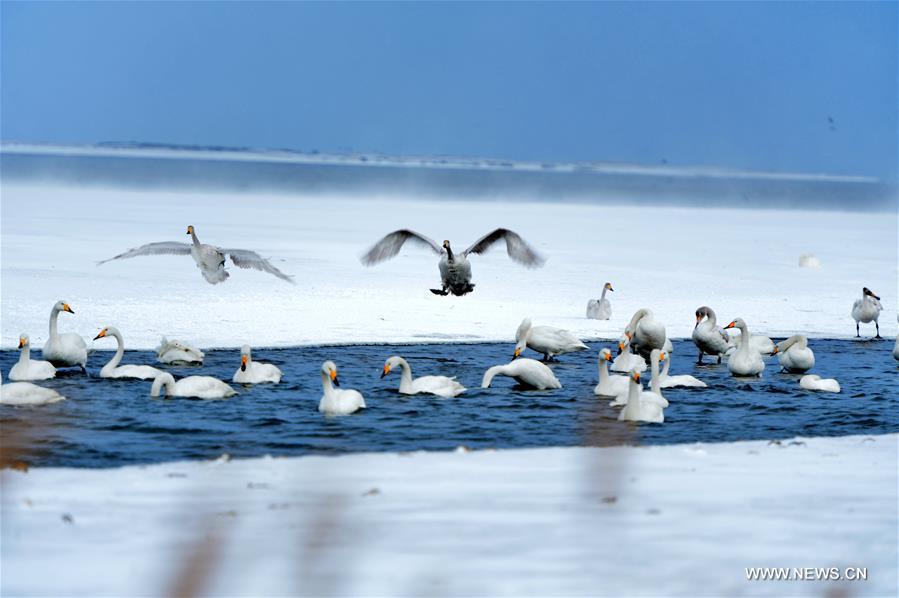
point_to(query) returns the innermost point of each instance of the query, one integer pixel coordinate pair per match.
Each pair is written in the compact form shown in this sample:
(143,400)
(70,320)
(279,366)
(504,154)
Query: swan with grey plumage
(708,337)
(67,349)
(794,354)
(646,333)
(455,269)
(601,309)
(26,369)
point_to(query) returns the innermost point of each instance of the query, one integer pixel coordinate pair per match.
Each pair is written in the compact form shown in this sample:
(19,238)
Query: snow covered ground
(683,520)
(741,262)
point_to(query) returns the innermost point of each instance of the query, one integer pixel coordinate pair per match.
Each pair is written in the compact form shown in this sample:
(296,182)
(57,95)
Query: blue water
(108,423)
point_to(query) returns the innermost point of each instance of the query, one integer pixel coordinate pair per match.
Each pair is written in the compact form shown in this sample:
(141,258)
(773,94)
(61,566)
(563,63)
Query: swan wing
(162,248)
(391,244)
(246,259)
(516,247)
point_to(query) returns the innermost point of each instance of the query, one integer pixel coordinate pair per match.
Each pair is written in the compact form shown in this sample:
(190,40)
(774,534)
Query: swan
(794,354)
(26,393)
(815,382)
(200,387)
(601,309)
(609,386)
(27,368)
(254,372)
(654,358)
(64,350)
(762,344)
(546,339)
(641,406)
(455,270)
(666,381)
(746,360)
(209,258)
(178,353)
(645,332)
(336,401)
(527,372)
(114,370)
(627,361)
(867,310)
(707,336)
(434,385)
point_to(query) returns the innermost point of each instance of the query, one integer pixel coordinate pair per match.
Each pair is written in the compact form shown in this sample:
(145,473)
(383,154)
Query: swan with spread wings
(455,269)
(209,258)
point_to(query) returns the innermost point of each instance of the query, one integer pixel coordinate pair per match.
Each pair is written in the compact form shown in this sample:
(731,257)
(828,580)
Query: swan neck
(603,370)
(490,374)
(54,314)
(633,396)
(744,336)
(163,380)
(641,313)
(194,238)
(654,367)
(405,376)
(603,295)
(119,352)
(667,366)
(25,355)
(449,253)
(327,387)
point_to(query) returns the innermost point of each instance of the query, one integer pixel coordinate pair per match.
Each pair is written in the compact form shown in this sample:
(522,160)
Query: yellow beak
(333,374)
(101,334)
(21,342)
(65,307)
(517,352)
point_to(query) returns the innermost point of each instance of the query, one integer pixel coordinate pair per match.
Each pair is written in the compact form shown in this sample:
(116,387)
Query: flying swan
(255,372)
(64,350)
(30,369)
(114,370)
(527,372)
(441,386)
(336,401)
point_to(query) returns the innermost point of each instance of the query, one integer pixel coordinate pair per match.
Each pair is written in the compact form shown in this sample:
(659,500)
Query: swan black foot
(719,359)
(699,359)
(440,292)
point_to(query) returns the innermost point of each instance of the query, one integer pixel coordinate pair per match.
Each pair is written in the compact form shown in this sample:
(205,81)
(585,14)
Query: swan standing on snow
(867,310)
(609,385)
(666,381)
(527,372)
(199,387)
(646,333)
(455,270)
(627,361)
(546,339)
(601,309)
(114,370)
(655,389)
(441,386)
(746,360)
(27,368)
(209,258)
(336,401)
(26,393)
(815,382)
(64,350)
(254,372)
(178,353)
(708,337)
(794,354)
(641,406)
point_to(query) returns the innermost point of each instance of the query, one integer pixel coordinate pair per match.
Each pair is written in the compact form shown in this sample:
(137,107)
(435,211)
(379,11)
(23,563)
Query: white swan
(64,350)
(200,387)
(641,406)
(761,344)
(794,354)
(336,401)
(528,372)
(30,369)
(26,393)
(441,386)
(685,380)
(609,386)
(601,309)
(209,258)
(708,337)
(746,360)
(546,339)
(645,332)
(627,361)
(114,370)
(255,372)
(178,353)
(655,388)
(815,382)
(867,310)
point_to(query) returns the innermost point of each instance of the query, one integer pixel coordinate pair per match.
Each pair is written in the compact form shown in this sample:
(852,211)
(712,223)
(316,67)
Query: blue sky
(728,84)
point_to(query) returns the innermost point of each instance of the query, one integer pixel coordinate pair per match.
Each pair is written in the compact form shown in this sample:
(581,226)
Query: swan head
(605,354)
(701,312)
(662,355)
(608,286)
(736,323)
(869,293)
(392,362)
(329,369)
(519,347)
(63,306)
(244,357)
(635,376)
(623,342)
(23,340)
(190,229)
(102,333)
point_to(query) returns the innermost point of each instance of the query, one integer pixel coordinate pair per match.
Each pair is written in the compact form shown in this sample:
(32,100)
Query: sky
(740,85)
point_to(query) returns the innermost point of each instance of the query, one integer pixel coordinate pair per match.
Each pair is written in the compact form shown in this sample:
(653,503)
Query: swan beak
(774,352)
(101,335)
(243,363)
(608,357)
(21,342)
(517,353)
(334,378)
(620,348)
(731,325)
(385,371)
(636,376)
(869,292)
(190,229)
(663,356)
(65,307)
(611,289)
(698,320)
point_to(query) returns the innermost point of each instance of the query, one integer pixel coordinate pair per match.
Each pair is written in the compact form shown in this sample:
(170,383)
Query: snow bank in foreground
(661,520)
(742,263)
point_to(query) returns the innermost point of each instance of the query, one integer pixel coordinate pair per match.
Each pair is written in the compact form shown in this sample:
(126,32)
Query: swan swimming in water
(867,310)
(527,372)
(209,258)
(708,337)
(666,381)
(198,387)
(794,354)
(815,382)
(609,385)
(746,360)
(337,401)
(548,340)
(655,388)
(26,393)
(178,353)
(67,349)
(455,270)
(601,309)
(646,333)
(114,370)
(255,372)
(627,361)
(641,406)
(30,369)
(441,386)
